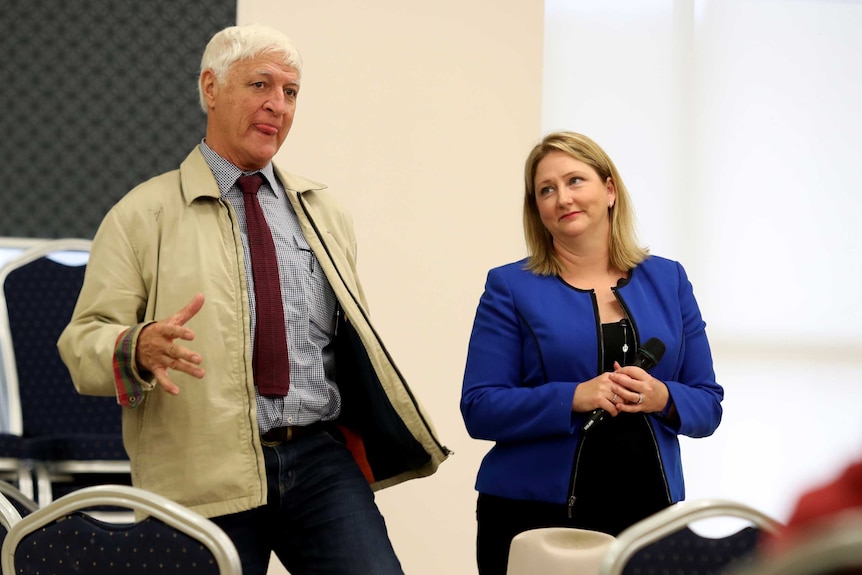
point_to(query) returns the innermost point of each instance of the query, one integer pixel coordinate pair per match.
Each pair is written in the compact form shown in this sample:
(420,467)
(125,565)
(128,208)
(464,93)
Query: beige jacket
(173,237)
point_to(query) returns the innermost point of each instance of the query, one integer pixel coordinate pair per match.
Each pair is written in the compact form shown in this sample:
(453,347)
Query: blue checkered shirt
(308,300)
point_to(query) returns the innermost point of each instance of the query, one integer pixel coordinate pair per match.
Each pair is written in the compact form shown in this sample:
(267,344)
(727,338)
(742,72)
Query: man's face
(250,115)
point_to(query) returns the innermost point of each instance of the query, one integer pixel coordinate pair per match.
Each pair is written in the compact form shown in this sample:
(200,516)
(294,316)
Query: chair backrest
(557,551)
(39,290)
(664,540)
(832,547)
(10,248)
(166,538)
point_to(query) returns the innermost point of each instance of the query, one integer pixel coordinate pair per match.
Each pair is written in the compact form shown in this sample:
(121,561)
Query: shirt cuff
(130,391)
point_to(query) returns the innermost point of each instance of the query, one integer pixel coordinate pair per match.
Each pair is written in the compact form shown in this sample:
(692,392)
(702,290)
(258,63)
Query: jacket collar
(197,180)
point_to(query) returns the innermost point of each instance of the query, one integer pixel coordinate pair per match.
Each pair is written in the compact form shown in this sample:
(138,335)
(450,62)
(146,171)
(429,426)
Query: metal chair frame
(15,495)
(9,515)
(144,504)
(669,520)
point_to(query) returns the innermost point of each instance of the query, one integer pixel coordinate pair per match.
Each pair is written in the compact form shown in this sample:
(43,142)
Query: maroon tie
(269,360)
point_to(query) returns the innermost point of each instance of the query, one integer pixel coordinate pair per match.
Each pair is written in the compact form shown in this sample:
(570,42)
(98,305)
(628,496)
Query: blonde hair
(237,43)
(625,251)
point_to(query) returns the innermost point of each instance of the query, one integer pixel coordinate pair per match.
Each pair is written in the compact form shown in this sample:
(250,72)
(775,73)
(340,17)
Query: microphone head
(650,353)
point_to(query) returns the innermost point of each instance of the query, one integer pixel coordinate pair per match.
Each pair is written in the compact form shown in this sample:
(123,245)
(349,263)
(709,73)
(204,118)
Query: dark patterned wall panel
(96,96)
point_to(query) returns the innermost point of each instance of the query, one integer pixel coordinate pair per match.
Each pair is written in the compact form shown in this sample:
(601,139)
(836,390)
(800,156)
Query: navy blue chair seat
(11,446)
(77,447)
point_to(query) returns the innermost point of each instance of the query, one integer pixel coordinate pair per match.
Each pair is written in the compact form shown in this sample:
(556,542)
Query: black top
(619,478)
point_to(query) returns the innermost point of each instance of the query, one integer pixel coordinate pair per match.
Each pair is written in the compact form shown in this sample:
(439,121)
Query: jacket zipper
(631,321)
(572,498)
(658,457)
(601,359)
(628,317)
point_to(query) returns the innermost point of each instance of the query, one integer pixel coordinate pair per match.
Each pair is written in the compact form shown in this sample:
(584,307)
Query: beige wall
(419,117)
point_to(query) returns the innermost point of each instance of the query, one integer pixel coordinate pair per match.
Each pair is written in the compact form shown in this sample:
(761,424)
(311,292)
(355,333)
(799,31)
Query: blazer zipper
(631,321)
(601,342)
(658,457)
(601,360)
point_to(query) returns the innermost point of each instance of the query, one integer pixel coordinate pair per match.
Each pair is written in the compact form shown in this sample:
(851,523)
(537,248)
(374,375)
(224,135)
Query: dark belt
(287,433)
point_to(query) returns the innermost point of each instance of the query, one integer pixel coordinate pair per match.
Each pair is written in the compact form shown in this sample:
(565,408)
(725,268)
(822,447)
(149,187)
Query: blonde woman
(554,340)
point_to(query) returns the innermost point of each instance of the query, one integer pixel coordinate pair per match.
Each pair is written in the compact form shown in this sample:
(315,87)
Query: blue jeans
(320,515)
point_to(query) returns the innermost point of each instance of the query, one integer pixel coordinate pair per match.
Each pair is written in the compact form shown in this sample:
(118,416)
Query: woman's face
(572,199)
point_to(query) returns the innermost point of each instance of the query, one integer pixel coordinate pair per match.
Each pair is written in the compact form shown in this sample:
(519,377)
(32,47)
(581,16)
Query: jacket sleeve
(112,299)
(495,403)
(696,395)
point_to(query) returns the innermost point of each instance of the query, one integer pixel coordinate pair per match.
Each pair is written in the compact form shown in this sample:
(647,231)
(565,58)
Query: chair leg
(25,479)
(43,483)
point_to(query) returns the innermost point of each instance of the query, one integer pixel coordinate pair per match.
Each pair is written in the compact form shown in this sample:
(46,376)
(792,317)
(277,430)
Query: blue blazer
(536,338)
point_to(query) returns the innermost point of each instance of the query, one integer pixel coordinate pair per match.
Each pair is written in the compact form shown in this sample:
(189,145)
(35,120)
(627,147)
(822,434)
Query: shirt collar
(226,173)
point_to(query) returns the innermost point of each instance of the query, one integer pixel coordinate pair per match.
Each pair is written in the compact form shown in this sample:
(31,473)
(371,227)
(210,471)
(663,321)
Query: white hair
(237,43)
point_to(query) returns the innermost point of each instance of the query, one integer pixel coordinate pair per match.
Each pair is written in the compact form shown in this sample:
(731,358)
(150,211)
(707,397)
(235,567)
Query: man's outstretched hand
(158,349)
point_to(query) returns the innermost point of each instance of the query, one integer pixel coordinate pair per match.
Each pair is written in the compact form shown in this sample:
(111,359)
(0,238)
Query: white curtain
(737,127)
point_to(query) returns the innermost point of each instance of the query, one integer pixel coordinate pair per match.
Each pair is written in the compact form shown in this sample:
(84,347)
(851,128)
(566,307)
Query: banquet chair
(833,547)
(14,467)
(665,542)
(164,538)
(67,439)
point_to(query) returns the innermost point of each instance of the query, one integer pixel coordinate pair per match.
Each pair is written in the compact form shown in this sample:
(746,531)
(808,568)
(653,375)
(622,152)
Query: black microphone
(649,354)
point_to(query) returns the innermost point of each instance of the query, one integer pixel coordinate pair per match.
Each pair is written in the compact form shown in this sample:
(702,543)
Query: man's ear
(209,87)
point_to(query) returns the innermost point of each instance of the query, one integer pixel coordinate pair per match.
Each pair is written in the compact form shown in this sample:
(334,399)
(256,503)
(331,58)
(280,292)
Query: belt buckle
(266,443)
(288,435)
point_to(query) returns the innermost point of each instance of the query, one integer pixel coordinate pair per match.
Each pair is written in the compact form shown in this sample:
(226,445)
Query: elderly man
(221,306)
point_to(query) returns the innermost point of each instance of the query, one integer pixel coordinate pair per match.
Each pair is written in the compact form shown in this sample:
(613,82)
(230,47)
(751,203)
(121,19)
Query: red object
(356,447)
(817,506)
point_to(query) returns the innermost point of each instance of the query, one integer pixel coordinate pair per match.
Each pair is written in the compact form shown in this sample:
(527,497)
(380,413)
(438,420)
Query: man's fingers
(161,350)
(179,352)
(182,359)
(158,349)
(188,312)
(165,382)
(169,332)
